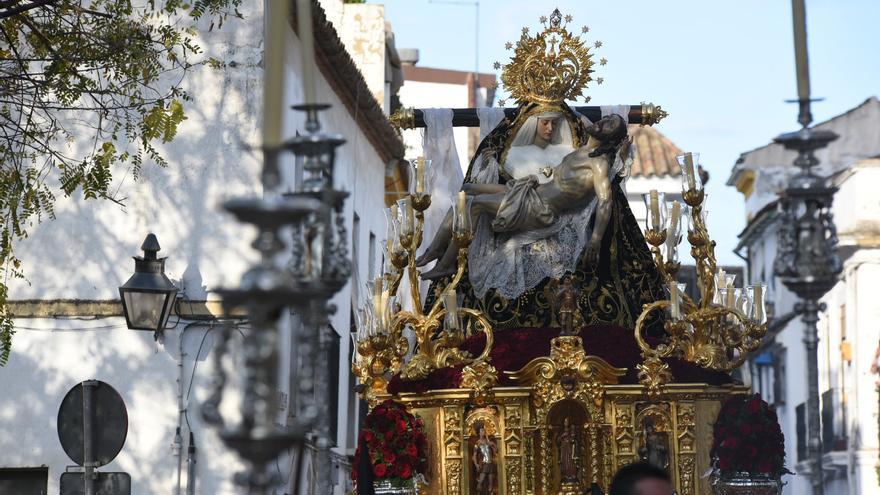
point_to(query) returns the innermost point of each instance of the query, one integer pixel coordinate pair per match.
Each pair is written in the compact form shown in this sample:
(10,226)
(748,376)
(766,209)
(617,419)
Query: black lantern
(148,296)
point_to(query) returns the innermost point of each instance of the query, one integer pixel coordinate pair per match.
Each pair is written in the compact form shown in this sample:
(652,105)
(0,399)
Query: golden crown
(551,67)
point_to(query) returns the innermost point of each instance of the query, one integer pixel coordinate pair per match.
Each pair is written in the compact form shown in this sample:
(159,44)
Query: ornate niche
(653,432)
(484,477)
(567,399)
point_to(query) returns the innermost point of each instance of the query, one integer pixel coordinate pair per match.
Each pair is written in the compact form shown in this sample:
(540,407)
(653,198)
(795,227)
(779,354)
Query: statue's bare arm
(602,188)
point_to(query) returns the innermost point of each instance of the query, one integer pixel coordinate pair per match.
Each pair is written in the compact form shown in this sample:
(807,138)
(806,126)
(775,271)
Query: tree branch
(12,11)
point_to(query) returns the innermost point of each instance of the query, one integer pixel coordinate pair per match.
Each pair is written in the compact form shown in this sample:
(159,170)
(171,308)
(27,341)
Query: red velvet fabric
(514,348)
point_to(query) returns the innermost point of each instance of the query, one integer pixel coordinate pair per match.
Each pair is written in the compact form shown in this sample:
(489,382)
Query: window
(332,360)
(833,421)
(800,413)
(780,356)
(371,267)
(24,481)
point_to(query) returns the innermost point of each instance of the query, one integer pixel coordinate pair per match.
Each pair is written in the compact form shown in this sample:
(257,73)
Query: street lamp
(148,296)
(806,261)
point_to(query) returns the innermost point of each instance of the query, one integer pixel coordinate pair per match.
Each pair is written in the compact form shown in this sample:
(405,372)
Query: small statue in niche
(569,459)
(485,452)
(656,450)
(568,307)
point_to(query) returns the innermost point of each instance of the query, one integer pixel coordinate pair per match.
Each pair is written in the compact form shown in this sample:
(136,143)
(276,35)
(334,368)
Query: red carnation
(412,450)
(753,406)
(379,470)
(406,471)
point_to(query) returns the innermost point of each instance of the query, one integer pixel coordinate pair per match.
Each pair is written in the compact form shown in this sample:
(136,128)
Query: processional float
(540,402)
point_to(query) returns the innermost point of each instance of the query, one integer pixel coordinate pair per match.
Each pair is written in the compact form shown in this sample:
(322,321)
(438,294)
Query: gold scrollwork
(435,347)
(567,373)
(404,118)
(712,336)
(480,376)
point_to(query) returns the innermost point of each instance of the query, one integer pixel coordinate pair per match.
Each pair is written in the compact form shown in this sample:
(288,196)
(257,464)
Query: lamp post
(148,295)
(806,260)
(319,267)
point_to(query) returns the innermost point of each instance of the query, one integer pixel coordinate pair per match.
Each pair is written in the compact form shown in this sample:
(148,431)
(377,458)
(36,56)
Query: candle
(273,72)
(410,217)
(307,41)
(758,303)
(731,297)
(394,213)
(450,301)
(799,18)
(377,300)
(462,221)
(420,175)
(672,231)
(655,210)
(689,170)
(675,304)
(406,215)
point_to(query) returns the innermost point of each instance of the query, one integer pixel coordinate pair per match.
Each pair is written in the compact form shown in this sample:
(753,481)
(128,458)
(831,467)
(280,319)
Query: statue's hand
(591,255)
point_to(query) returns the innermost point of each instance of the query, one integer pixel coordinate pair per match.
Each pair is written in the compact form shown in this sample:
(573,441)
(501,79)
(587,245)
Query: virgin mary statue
(548,203)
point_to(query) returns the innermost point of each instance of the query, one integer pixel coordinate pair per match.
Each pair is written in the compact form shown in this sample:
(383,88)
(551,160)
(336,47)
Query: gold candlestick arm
(711,336)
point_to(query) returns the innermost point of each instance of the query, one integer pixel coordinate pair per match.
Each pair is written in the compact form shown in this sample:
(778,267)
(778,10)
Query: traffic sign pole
(88,436)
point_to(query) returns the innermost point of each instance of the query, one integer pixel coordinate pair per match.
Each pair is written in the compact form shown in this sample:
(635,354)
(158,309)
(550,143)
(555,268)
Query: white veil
(525,136)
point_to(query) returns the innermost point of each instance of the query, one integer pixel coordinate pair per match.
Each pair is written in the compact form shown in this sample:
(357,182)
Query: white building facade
(849,329)
(68,318)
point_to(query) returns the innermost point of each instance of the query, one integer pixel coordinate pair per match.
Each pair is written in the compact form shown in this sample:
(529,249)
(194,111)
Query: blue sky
(721,68)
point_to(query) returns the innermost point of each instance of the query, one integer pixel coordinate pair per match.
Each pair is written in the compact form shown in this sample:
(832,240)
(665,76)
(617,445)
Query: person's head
(606,135)
(546,127)
(481,430)
(641,478)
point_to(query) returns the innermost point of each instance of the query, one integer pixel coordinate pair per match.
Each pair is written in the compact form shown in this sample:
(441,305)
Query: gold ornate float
(567,420)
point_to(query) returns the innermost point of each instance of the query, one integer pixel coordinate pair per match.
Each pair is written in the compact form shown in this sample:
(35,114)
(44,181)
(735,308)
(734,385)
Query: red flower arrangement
(395,441)
(747,438)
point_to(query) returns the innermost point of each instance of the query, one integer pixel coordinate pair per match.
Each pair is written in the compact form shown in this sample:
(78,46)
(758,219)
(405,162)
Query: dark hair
(610,131)
(627,477)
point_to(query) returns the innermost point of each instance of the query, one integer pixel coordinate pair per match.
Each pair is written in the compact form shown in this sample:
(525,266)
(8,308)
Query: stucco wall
(85,254)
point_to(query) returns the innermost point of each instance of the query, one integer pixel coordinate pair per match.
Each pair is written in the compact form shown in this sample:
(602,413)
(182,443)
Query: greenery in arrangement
(747,438)
(87,90)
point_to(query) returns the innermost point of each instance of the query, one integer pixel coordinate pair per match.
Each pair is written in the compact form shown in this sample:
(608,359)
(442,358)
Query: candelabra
(319,268)
(720,329)
(439,329)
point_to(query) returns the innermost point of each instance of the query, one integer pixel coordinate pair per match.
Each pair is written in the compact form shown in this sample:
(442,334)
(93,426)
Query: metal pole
(799,21)
(477,43)
(88,436)
(811,309)
(191,465)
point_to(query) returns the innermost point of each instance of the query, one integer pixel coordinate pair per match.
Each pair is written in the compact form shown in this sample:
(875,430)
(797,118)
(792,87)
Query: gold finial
(652,114)
(403,118)
(550,67)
